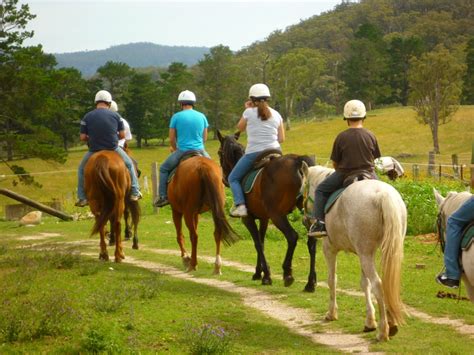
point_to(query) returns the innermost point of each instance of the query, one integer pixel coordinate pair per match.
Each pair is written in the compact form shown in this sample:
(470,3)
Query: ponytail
(264,112)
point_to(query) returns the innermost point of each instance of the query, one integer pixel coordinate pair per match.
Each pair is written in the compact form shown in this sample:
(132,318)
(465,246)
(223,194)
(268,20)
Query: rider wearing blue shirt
(188,132)
(99,129)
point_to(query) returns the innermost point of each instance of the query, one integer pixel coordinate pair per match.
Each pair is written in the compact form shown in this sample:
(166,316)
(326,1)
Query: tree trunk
(139,141)
(9,151)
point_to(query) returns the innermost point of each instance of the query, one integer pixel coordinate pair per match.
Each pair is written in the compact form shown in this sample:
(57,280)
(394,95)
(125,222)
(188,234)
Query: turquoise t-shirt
(189,125)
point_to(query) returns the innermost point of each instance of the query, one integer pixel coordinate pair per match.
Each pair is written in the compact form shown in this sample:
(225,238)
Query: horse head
(230,151)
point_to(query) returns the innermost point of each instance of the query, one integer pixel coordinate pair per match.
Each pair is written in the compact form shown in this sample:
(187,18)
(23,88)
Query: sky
(71,26)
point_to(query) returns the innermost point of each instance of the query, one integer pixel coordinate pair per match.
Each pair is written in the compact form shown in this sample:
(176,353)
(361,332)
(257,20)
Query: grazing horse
(196,187)
(448,206)
(368,214)
(273,196)
(107,185)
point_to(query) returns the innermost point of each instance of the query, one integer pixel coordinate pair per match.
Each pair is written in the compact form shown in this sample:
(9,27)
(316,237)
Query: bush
(208,339)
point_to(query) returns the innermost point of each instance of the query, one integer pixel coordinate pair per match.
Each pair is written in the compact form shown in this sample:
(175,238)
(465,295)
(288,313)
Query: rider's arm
(204,135)
(121,134)
(242,125)
(281,133)
(172,137)
(334,164)
(84,137)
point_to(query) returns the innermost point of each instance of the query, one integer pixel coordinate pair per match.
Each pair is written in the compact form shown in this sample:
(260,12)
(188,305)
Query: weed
(97,340)
(88,268)
(209,339)
(149,287)
(110,300)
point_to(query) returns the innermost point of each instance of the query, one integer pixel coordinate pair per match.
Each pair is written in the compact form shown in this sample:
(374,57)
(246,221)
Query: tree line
(382,52)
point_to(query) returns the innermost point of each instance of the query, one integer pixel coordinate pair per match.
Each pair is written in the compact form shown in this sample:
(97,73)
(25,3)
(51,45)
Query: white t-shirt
(128,133)
(261,134)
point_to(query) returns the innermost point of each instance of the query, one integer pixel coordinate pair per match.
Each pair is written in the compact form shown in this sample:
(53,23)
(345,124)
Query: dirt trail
(458,325)
(296,319)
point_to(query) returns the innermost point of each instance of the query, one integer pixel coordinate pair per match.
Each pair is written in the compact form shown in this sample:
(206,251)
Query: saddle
(467,238)
(262,160)
(356,176)
(186,156)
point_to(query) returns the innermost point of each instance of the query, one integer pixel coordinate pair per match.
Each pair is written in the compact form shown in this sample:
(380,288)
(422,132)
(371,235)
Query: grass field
(56,299)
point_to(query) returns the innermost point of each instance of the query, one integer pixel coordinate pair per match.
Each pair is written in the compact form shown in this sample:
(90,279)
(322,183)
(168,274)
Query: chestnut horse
(196,187)
(107,185)
(273,197)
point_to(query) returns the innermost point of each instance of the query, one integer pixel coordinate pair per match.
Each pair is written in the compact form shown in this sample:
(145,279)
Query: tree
(365,70)
(216,77)
(13,21)
(294,74)
(116,75)
(140,106)
(435,88)
(468,80)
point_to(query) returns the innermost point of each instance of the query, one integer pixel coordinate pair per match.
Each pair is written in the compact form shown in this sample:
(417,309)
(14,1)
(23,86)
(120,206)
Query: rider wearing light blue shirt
(188,132)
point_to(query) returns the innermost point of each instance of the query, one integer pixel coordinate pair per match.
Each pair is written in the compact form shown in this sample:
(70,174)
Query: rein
(440,222)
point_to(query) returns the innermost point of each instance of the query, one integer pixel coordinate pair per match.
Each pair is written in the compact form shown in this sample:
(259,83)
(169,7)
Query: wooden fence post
(415,171)
(454,159)
(154,183)
(431,163)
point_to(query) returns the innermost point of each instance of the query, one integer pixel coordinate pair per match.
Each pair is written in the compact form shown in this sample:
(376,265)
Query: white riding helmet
(354,109)
(113,106)
(103,95)
(259,91)
(187,97)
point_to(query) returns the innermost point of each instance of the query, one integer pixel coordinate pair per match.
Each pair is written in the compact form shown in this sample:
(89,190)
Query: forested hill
(136,55)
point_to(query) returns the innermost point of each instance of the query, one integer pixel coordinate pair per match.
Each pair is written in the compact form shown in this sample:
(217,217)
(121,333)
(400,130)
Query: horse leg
(370,324)
(281,222)
(177,219)
(368,268)
(103,246)
(330,255)
(262,230)
(111,234)
(191,222)
(312,277)
(119,255)
(218,262)
(126,218)
(135,236)
(262,265)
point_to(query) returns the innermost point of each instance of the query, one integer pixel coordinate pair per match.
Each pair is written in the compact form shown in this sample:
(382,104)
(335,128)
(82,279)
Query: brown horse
(107,185)
(196,187)
(275,194)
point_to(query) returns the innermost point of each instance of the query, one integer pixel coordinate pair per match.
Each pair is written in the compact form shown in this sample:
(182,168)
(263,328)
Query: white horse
(369,214)
(448,206)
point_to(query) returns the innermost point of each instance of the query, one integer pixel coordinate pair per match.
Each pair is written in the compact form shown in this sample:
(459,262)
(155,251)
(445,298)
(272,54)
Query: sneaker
(442,279)
(161,201)
(238,211)
(81,203)
(135,198)
(317,229)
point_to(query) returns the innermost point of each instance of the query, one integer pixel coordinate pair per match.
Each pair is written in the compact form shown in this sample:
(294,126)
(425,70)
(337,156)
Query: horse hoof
(330,318)
(368,329)
(393,330)
(135,246)
(118,260)
(309,288)
(104,257)
(267,281)
(256,276)
(289,280)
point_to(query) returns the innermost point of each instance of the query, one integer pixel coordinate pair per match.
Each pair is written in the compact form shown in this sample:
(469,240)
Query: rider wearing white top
(261,135)
(128,133)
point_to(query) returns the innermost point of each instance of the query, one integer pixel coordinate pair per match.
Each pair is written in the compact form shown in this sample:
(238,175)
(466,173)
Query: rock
(32,218)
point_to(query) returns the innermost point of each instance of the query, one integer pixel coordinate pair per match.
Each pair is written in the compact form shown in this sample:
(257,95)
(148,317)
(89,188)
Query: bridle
(229,153)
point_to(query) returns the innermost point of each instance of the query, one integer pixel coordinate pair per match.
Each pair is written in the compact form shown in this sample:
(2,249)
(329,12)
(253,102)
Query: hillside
(136,55)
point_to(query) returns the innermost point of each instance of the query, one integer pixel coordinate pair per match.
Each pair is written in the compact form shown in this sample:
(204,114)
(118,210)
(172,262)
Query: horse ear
(219,136)
(237,135)
(438,197)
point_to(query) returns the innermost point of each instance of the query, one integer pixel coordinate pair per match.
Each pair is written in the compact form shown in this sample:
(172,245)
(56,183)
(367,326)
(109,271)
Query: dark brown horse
(196,187)
(107,185)
(274,195)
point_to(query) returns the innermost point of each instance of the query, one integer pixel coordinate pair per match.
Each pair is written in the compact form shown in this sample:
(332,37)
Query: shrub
(209,339)
(96,340)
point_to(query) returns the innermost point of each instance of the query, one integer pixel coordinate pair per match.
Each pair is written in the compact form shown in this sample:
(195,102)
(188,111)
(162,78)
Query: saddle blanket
(333,198)
(249,180)
(468,237)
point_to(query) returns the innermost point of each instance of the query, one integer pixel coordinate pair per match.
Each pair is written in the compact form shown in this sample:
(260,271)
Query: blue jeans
(135,188)
(168,165)
(324,190)
(240,169)
(456,223)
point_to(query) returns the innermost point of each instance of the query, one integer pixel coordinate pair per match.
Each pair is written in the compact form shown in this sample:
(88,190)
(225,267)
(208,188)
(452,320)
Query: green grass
(131,309)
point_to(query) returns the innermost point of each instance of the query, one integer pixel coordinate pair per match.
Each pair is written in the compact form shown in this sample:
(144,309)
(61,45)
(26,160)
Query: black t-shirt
(355,149)
(102,125)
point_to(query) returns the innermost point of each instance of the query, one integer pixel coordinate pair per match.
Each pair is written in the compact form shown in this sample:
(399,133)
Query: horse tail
(109,191)
(394,228)
(215,199)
